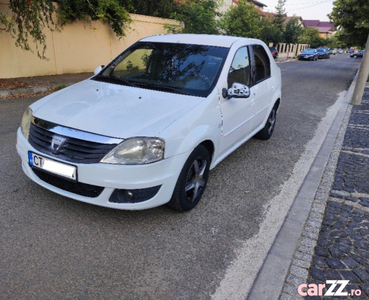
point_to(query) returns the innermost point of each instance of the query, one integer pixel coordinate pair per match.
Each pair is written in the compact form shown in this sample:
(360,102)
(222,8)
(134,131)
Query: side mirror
(98,69)
(238,90)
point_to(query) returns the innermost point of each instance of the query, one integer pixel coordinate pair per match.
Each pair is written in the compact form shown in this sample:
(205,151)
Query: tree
(279,19)
(242,20)
(292,31)
(113,12)
(198,16)
(311,36)
(353,17)
(269,33)
(155,8)
(342,39)
(335,42)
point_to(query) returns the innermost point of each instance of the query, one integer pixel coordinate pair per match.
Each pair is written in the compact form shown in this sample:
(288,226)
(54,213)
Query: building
(228,3)
(326,29)
(300,21)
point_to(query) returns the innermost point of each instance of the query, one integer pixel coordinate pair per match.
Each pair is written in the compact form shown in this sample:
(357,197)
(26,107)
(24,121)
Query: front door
(237,112)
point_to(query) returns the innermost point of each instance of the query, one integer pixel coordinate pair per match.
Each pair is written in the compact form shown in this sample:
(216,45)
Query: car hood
(113,110)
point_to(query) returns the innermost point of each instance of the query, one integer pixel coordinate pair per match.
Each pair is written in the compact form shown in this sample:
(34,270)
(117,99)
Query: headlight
(26,122)
(136,151)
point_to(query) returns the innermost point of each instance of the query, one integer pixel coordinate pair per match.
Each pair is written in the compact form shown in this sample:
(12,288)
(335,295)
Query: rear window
(262,63)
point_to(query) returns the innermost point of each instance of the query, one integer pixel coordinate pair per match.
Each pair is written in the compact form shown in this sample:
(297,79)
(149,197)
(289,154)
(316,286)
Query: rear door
(263,85)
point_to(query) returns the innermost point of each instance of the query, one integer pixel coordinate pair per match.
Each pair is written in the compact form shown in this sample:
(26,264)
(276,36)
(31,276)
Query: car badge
(56,143)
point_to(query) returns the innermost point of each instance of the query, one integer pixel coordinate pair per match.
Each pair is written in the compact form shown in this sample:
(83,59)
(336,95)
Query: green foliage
(269,33)
(198,16)
(60,87)
(352,16)
(343,39)
(113,12)
(242,20)
(155,8)
(292,31)
(280,15)
(28,22)
(30,18)
(311,36)
(276,31)
(5,23)
(336,42)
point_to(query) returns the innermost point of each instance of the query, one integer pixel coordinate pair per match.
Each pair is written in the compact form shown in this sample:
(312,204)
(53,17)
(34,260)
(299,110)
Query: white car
(146,129)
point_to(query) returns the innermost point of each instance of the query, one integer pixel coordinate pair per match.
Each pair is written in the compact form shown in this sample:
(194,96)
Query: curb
(303,255)
(290,256)
(32,90)
(31,86)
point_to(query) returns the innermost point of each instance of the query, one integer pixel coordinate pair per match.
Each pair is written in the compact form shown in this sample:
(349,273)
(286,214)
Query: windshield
(308,51)
(176,68)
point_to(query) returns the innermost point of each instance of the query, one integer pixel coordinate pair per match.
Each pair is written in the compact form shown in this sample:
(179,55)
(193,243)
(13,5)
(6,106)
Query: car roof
(200,39)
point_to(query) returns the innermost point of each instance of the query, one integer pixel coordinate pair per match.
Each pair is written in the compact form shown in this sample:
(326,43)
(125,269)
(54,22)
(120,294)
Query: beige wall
(79,47)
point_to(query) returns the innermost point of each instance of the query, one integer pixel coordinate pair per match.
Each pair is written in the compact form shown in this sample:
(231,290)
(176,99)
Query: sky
(307,9)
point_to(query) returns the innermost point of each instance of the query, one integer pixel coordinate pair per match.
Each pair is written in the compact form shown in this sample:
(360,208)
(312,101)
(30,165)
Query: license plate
(52,166)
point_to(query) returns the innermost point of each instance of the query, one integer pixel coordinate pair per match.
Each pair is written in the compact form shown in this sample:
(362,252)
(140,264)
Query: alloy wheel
(196,180)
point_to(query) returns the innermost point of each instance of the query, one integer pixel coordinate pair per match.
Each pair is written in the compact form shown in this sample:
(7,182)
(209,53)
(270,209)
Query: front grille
(78,188)
(73,149)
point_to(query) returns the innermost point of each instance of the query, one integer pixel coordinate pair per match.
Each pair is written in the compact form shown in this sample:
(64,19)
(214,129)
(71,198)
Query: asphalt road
(56,248)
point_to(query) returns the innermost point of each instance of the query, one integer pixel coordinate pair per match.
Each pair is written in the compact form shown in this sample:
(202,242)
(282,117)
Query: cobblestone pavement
(335,241)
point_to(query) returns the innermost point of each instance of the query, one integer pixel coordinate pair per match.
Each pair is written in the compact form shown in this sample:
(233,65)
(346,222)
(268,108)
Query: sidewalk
(29,86)
(330,241)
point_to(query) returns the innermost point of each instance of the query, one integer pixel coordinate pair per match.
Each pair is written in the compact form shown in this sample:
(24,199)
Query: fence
(290,50)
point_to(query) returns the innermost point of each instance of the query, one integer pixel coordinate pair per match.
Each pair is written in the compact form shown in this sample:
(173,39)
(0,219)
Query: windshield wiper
(158,87)
(124,81)
(164,88)
(115,79)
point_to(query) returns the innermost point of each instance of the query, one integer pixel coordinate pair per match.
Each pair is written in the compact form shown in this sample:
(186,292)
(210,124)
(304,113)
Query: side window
(240,70)
(262,63)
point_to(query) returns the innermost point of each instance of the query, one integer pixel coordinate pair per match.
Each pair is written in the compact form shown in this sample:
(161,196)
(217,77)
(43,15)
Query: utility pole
(362,77)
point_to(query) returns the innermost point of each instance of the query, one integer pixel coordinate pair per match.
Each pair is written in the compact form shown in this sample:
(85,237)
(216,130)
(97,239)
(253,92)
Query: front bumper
(305,57)
(107,182)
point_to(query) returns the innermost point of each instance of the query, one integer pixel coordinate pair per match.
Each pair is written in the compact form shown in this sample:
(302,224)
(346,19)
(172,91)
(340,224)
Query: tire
(268,129)
(192,181)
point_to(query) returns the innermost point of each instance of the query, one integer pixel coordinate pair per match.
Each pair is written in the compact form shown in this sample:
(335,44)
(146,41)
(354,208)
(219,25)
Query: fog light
(133,196)
(128,195)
